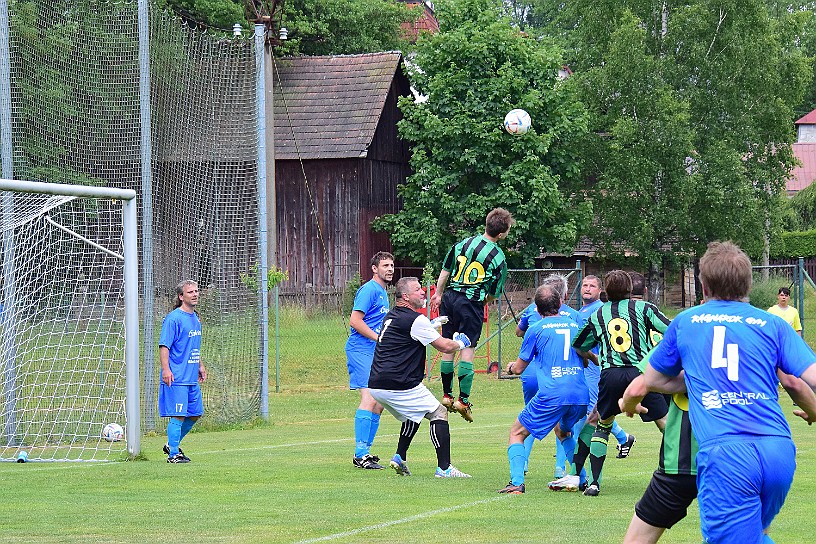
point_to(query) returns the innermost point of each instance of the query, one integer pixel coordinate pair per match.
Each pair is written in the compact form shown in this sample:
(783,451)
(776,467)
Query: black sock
(409,429)
(440,438)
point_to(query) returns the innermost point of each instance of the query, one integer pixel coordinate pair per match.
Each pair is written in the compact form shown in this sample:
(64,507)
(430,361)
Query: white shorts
(411,404)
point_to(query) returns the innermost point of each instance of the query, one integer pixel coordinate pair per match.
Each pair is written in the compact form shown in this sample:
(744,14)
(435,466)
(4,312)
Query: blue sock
(619,433)
(568,447)
(528,449)
(173,435)
(767,539)
(517,458)
(362,430)
(375,424)
(186,426)
(560,454)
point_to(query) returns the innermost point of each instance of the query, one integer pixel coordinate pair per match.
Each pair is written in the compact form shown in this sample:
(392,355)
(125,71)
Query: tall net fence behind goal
(62,326)
(75,118)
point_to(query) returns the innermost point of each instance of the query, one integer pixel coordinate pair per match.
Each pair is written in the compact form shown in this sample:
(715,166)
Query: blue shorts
(529,383)
(540,416)
(180,400)
(742,485)
(359,367)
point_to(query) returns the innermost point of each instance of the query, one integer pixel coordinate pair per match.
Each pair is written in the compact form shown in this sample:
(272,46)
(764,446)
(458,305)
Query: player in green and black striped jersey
(624,329)
(674,484)
(474,271)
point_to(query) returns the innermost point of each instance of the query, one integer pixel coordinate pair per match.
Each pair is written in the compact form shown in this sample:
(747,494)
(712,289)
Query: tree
(332,27)
(691,121)
(316,27)
(472,72)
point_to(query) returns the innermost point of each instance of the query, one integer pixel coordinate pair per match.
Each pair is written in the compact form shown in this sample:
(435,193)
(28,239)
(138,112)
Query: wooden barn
(338,161)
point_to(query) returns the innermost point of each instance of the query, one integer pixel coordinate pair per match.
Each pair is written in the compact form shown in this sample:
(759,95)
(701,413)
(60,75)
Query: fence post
(800,287)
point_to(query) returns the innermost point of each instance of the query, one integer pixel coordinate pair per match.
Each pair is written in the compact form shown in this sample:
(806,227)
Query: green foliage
(691,114)
(472,73)
(351,290)
(429,275)
(316,27)
(274,276)
(216,14)
(763,292)
(331,27)
(804,207)
(791,245)
(49,40)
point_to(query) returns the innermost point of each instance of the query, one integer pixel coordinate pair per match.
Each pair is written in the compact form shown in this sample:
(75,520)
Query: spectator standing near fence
(786,311)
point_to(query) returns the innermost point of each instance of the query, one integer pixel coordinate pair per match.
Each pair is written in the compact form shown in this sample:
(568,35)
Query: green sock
(597,450)
(465,379)
(446,373)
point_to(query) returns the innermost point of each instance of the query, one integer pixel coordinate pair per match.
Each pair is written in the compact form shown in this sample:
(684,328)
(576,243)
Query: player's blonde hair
(725,271)
(180,290)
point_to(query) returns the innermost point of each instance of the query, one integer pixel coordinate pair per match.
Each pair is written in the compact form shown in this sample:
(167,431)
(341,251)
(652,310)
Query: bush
(791,245)
(348,295)
(763,293)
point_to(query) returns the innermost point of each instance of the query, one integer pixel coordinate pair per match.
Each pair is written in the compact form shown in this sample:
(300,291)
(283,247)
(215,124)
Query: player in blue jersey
(182,370)
(370,307)
(529,383)
(583,430)
(729,355)
(562,394)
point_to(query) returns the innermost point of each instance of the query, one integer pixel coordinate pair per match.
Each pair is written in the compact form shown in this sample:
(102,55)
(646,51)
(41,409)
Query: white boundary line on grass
(409,519)
(56,465)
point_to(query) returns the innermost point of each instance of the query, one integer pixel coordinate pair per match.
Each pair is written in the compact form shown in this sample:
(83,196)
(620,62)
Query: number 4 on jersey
(731,352)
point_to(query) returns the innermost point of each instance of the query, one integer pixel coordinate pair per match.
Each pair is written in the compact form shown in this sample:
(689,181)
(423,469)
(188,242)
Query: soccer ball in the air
(517,122)
(113,432)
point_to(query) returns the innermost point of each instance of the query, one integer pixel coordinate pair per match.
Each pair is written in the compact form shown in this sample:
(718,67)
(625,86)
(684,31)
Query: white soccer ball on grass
(113,432)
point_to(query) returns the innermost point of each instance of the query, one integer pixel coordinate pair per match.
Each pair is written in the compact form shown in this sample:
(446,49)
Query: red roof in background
(803,176)
(809,119)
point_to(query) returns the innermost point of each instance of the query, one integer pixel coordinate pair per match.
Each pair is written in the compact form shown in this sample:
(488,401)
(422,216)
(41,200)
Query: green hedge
(790,245)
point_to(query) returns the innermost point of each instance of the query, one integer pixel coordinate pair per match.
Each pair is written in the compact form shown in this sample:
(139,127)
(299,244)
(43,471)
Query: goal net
(76,115)
(68,357)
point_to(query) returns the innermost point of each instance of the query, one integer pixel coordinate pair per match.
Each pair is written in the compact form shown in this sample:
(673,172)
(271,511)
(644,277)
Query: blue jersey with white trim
(592,372)
(547,346)
(730,352)
(530,315)
(181,335)
(372,300)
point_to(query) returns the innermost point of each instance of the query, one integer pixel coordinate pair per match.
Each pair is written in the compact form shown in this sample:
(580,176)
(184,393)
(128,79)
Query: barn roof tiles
(328,107)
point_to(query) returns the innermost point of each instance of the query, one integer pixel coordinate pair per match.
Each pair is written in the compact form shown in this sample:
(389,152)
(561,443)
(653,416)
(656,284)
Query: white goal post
(69,321)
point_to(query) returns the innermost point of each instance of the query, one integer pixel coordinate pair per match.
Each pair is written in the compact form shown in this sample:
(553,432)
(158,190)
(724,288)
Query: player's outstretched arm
(662,383)
(630,402)
(447,345)
(801,393)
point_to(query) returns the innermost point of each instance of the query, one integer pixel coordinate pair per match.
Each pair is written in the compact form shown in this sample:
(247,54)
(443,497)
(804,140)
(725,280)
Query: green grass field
(292,480)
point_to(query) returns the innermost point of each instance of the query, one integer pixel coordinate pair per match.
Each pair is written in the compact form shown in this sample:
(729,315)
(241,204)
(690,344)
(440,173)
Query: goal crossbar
(131,284)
